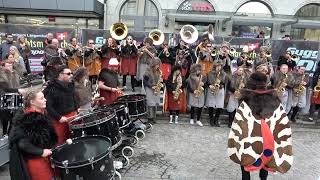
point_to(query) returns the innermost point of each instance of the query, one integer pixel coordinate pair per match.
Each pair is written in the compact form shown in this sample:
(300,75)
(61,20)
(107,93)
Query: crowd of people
(198,78)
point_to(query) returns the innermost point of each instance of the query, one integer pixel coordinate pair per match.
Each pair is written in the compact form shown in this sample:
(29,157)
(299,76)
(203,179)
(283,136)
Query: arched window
(140,15)
(254,8)
(253,29)
(309,11)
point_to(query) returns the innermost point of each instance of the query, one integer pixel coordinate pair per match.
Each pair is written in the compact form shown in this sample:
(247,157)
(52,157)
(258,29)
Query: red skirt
(105,62)
(128,66)
(62,129)
(109,97)
(39,169)
(174,105)
(166,70)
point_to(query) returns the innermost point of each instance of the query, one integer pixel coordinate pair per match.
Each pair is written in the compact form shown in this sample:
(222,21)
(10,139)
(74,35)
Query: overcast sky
(254,7)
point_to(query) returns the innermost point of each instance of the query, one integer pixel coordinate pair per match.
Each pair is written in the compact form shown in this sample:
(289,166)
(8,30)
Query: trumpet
(232,51)
(250,60)
(214,51)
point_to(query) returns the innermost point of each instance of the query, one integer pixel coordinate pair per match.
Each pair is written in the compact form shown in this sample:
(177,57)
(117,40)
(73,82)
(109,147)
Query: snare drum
(11,101)
(122,112)
(136,103)
(86,158)
(97,123)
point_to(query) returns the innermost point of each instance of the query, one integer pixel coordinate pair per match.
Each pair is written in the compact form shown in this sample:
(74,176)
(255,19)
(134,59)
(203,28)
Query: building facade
(244,18)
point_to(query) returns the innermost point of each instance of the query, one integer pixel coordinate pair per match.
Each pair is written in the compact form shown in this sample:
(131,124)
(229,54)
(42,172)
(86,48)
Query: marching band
(206,76)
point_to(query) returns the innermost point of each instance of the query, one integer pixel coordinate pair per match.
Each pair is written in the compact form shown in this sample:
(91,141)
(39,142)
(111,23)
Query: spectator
(48,39)
(261,35)
(18,59)
(4,47)
(25,51)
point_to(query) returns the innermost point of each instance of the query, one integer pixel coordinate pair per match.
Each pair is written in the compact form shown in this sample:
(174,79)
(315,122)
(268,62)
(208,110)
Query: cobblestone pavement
(185,152)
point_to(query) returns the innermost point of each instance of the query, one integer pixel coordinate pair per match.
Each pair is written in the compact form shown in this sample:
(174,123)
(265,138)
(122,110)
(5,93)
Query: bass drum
(137,104)
(122,112)
(86,158)
(97,123)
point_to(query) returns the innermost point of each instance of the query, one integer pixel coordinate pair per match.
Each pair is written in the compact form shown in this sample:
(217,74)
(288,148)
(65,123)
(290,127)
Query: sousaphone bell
(118,31)
(189,34)
(157,36)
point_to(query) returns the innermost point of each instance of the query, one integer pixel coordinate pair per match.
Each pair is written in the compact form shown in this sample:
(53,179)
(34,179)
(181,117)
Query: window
(140,15)
(64,22)
(253,29)
(306,12)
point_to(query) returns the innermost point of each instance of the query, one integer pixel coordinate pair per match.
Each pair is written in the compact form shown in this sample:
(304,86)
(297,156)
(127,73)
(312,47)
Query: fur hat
(257,80)
(113,62)
(155,61)
(218,62)
(264,48)
(195,67)
(225,44)
(148,40)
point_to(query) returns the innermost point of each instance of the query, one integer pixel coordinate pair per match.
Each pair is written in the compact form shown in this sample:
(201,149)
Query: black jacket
(61,99)
(31,134)
(283,60)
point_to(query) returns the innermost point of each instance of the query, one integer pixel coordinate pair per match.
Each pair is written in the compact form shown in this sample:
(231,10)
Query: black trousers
(195,110)
(124,81)
(263,174)
(5,117)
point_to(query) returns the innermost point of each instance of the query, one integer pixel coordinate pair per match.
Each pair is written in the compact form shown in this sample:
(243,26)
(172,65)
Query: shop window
(140,15)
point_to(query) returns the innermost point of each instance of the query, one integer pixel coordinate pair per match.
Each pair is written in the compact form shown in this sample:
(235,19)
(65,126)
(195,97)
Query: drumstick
(71,117)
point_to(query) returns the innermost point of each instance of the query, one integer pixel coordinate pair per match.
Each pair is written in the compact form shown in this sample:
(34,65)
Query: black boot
(211,116)
(295,111)
(133,83)
(216,117)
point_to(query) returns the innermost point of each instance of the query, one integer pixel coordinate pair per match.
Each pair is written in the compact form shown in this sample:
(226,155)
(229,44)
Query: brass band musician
(92,60)
(167,59)
(146,54)
(204,56)
(226,56)
(74,52)
(109,50)
(299,96)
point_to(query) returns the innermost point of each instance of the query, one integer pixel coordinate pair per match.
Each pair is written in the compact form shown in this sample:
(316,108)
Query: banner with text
(35,36)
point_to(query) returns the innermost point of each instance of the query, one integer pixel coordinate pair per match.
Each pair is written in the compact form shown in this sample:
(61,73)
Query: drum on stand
(11,101)
(121,111)
(136,103)
(85,158)
(102,123)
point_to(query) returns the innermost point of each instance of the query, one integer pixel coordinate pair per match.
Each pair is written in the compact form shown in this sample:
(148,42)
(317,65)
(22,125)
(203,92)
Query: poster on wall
(35,36)
(307,52)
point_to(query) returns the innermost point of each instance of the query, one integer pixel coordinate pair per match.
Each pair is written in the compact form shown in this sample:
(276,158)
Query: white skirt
(215,101)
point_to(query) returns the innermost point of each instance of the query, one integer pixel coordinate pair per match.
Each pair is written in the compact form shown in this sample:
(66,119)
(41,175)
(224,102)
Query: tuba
(118,31)
(157,36)
(189,34)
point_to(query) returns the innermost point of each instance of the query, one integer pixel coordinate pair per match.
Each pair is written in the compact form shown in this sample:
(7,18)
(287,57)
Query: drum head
(131,97)
(91,119)
(82,151)
(115,106)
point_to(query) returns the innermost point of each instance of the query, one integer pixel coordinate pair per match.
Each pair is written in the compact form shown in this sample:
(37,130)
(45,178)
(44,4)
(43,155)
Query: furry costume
(32,133)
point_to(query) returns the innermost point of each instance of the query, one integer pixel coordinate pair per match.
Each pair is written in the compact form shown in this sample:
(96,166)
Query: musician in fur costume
(265,58)
(195,91)
(283,82)
(260,136)
(214,100)
(145,59)
(299,92)
(234,87)
(152,83)
(174,87)
(31,141)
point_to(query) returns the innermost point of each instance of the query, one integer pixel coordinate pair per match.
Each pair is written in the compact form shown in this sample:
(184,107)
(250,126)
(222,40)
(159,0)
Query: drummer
(109,83)
(62,104)
(31,140)
(9,83)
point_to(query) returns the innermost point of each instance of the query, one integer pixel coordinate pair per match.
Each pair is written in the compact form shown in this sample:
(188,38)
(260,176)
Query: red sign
(51,18)
(62,36)
(196,5)
(253,46)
